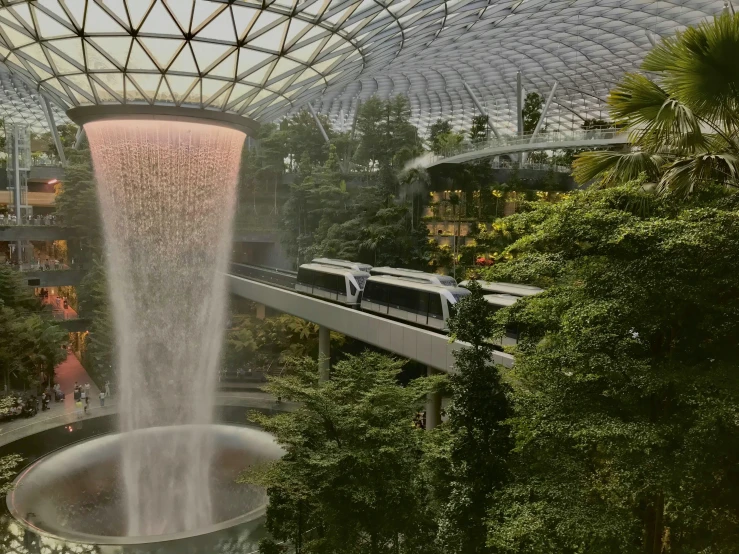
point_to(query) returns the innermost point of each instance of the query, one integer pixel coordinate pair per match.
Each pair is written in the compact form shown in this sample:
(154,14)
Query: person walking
(78,399)
(87,389)
(107,389)
(102,399)
(83,399)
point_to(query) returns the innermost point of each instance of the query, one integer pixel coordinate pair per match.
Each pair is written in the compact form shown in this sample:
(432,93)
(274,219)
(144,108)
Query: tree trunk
(654,525)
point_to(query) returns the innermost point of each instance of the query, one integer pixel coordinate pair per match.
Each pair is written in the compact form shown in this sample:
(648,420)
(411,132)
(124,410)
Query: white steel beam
(81,135)
(480,108)
(318,123)
(46,108)
(544,112)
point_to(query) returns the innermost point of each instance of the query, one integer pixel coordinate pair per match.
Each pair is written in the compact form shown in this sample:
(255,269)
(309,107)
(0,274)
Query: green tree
(479,128)
(269,344)
(479,437)
(682,118)
(436,129)
(30,345)
(387,138)
(98,347)
(8,469)
(349,481)
(625,376)
(77,204)
(532,106)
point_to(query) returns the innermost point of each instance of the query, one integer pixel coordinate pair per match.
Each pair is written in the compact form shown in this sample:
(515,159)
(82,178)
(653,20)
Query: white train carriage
(331,283)
(347,264)
(498,302)
(416,275)
(493,287)
(417,303)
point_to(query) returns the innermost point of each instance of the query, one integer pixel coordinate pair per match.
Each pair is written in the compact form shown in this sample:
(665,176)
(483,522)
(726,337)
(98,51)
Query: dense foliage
(479,440)
(625,422)
(349,199)
(78,209)
(268,345)
(30,343)
(349,480)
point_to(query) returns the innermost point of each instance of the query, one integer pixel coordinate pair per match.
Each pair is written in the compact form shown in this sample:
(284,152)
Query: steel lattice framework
(265,58)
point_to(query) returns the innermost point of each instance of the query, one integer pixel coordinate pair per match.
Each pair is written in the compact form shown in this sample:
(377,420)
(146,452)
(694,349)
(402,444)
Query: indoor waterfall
(167,192)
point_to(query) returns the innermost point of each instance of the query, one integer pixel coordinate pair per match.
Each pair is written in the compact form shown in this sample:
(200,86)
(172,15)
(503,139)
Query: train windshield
(360,281)
(459,295)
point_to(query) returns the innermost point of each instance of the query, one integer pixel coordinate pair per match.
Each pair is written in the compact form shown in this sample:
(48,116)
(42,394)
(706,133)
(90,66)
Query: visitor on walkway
(107,388)
(87,389)
(78,399)
(83,399)
(102,399)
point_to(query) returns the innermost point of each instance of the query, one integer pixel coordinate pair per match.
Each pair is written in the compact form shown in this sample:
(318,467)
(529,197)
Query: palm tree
(683,119)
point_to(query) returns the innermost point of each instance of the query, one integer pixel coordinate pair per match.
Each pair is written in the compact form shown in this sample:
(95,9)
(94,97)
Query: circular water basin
(76,493)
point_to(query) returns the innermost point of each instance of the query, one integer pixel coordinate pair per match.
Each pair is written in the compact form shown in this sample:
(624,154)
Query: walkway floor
(70,372)
(58,309)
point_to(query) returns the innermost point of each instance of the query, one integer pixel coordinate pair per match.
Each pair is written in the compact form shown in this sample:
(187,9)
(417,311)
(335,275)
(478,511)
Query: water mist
(167,192)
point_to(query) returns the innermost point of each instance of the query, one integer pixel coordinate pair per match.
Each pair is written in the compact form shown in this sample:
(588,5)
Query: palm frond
(655,118)
(682,176)
(636,101)
(616,167)
(699,68)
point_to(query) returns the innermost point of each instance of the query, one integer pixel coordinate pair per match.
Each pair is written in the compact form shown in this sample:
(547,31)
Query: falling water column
(167,191)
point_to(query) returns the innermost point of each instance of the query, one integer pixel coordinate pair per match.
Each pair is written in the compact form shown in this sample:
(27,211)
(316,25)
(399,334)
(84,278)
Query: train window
(352,288)
(435,310)
(370,292)
(382,296)
(423,303)
(329,281)
(413,300)
(306,276)
(396,297)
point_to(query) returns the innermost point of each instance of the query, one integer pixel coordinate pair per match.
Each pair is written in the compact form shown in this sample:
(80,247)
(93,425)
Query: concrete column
(433,405)
(261,311)
(324,353)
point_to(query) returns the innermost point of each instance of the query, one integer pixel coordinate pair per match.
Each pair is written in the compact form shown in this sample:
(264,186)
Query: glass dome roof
(20,103)
(265,58)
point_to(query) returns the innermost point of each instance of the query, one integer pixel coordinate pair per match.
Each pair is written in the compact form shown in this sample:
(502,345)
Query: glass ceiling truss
(265,58)
(20,103)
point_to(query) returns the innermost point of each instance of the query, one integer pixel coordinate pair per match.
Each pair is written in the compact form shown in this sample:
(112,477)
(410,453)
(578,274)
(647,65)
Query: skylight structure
(20,103)
(264,58)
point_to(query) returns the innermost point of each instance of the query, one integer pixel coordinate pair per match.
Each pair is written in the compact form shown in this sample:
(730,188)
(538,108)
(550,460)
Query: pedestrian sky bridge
(513,144)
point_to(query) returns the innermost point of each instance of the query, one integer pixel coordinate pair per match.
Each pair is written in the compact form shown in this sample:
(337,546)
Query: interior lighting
(53,182)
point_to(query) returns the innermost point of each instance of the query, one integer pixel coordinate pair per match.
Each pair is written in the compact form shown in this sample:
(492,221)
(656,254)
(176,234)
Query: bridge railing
(523,140)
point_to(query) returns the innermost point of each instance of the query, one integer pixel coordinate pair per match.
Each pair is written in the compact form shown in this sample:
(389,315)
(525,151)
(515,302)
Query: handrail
(525,140)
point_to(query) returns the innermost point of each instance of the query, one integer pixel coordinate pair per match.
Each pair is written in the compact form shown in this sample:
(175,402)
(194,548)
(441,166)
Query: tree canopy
(626,395)
(30,343)
(349,480)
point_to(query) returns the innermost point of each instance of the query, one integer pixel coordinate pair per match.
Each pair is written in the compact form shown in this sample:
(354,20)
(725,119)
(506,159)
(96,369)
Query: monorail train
(422,304)
(344,263)
(331,283)
(419,276)
(512,289)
